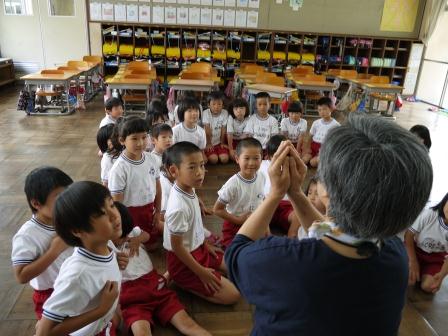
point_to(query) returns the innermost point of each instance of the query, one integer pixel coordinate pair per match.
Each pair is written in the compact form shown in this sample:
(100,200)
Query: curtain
(433,12)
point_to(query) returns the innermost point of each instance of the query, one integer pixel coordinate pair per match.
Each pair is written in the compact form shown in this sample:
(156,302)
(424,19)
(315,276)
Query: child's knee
(212,159)
(314,162)
(224,158)
(427,283)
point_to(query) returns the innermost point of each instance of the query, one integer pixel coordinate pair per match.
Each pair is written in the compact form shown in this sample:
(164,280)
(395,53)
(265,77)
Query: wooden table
(6,71)
(202,85)
(51,79)
(273,90)
(369,88)
(314,85)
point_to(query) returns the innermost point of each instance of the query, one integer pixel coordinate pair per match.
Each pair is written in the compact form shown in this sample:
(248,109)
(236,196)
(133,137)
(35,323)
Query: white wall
(43,41)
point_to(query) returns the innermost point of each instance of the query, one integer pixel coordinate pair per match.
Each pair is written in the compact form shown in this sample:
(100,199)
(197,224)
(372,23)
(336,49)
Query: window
(18,7)
(61,7)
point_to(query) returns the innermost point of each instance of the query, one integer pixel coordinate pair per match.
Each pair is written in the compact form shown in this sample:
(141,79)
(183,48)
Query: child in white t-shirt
(144,294)
(294,127)
(214,120)
(37,251)
(243,192)
(188,128)
(319,130)
(427,246)
(109,148)
(134,179)
(261,125)
(284,217)
(238,118)
(162,138)
(114,110)
(193,263)
(85,294)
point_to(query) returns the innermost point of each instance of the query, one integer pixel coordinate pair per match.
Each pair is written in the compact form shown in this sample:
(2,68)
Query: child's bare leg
(306,158)
(212,159)
(314,162)
(141,328)
(427,283)
(224,158)
(186,325)
(294,225)
(227,294)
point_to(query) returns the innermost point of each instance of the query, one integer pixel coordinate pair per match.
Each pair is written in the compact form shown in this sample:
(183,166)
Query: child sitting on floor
(294,127)
(238,118)
(426,244)
(144,294)
(114,110)
(110,148)
(243,192)
(162,138)
(214,120)
(37,251)
(193,263)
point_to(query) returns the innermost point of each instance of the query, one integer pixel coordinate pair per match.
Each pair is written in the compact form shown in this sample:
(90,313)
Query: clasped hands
(286,171)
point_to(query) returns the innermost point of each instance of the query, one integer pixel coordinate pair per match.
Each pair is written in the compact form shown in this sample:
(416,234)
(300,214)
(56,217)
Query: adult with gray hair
(350,280)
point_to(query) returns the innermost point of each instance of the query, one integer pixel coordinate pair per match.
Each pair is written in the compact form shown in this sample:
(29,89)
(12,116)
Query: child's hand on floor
(209,279)
(438,279)
(122,259)
(108,296)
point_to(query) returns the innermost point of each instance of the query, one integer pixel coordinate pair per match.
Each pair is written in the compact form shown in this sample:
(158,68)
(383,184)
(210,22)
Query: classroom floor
(68,142)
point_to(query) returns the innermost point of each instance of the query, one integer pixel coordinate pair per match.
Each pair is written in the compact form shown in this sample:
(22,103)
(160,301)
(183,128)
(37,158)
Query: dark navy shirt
(305,288)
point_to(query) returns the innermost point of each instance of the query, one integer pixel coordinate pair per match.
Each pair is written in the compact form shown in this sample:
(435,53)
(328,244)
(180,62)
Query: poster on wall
(170,1)
(206,16)
(254,3)
(218,19)
(158,1)
(144,13)
(195,2)
(241,3)
(399,15)
(182,15)
(120,12)
(230,3)
(240,18)
(206,2)
(229,18)
(252,19)
(107,11)
(170,15)
(132,13)
(158,14)
(184,2)
(194,15)
(95,11)
(218,3)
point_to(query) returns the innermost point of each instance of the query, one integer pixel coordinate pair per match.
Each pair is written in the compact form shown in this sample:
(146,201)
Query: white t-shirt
(267,184)
(78,286)
(29,243)
(107,161)
(194,135)
(320,128)
(138,265)
(240,195)
(174,117)
(261,129)
(135,179)
(236,127)
(294,130)
(431,232)
(216,123)
(183,218)
(107,120)
(157,158)
(166,186)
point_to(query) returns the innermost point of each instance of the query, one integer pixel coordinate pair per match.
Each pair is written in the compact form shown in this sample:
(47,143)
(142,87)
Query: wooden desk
(274,91)
(203,85)
(6,71)
(370,88)
(122,83)
(314,86)
(51,79)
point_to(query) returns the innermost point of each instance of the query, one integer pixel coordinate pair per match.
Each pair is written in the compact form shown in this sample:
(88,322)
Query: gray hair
(377,175)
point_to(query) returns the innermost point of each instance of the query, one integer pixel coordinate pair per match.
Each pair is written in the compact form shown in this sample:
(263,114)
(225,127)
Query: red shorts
(217,150)
(315,148)
(39,298)
(235,143)
(148,296)
(112,331)
(430,263)
(229,230)
(281,214)
(185,278)
(142,216)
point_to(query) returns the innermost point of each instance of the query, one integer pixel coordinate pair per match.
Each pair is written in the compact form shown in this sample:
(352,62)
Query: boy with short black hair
(37,251)
(114,110)
(319,130)
(191,261)
(162,138)
(261,125)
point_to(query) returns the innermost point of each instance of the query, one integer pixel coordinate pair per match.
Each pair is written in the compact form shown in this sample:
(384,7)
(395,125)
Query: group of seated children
(85,249)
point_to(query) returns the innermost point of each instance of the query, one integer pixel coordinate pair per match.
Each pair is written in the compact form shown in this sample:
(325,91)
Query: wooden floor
(68,142)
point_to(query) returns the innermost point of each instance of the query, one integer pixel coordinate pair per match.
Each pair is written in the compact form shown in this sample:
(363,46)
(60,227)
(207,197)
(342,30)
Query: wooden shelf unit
(275,50)
(6,71)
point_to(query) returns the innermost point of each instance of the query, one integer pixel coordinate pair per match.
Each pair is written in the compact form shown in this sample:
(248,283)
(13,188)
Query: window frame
(26,6)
